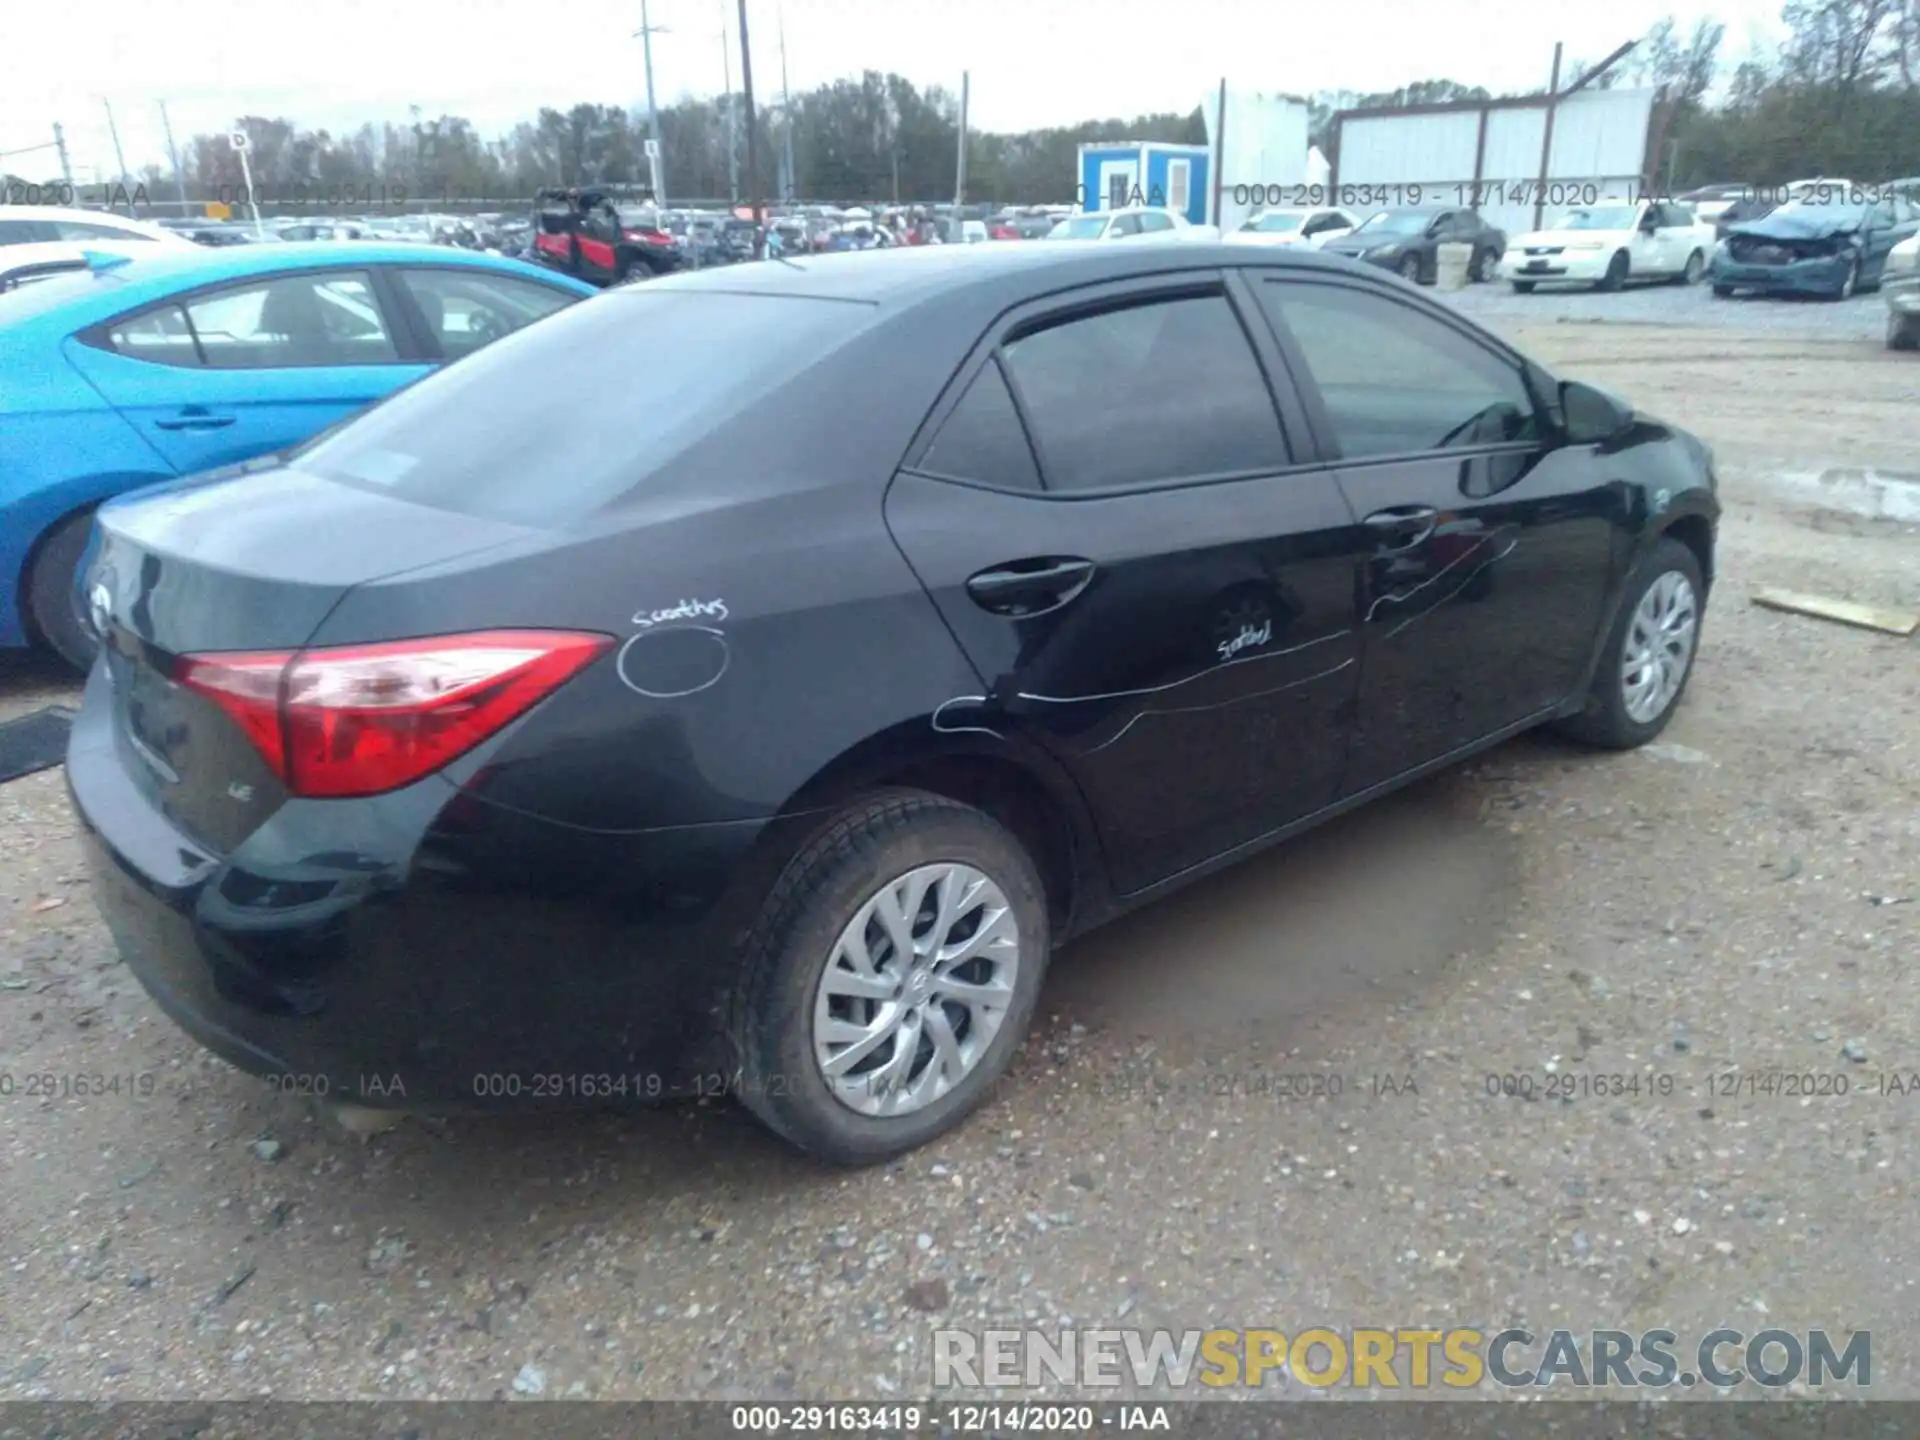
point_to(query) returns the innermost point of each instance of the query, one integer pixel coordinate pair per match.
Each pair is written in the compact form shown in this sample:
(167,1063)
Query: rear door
(1490,544)
(227,373)
(1107,510)
(600,244)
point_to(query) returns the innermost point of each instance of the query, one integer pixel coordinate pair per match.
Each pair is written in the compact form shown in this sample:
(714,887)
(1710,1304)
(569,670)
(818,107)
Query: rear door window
(296,320)
(983,439)
(26,232)
(83,230)
(161,336)
(1160,391)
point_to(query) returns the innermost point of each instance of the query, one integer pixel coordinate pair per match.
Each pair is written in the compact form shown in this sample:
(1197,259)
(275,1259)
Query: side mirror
(1650,222)
(1591,416)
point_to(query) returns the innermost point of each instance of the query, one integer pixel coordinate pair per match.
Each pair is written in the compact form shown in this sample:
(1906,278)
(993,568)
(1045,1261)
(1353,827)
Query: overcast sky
(338,63)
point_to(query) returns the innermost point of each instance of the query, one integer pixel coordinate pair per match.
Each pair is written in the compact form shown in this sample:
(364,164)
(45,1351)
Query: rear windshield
(551,423)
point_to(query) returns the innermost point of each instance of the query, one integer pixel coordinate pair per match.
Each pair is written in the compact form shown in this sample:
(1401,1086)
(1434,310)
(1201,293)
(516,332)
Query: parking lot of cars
(1697,909)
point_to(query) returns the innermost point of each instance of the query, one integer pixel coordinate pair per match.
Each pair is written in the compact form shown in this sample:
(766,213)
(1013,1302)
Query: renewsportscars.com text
(1391,1359)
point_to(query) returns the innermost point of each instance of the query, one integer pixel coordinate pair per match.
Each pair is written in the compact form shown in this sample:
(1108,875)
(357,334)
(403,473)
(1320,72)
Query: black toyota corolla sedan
(546,738)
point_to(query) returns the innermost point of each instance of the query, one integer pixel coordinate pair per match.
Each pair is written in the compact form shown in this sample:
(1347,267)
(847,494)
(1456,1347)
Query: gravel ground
(1703,907)
(1864,317)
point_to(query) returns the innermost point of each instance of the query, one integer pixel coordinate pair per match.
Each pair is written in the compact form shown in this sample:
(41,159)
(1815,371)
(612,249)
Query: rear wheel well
(1001,788)
(23,588)
(1696,534)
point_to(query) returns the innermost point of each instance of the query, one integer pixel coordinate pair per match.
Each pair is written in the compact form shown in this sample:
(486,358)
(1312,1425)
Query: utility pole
(753,140)
(1546,137)
(179,180)
(960,165)
(657,164)
(118,155)
(733,138)
(792,187)
(60,144)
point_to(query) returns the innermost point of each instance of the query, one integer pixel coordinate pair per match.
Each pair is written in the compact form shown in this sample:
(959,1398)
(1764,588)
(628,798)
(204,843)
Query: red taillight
(360,719)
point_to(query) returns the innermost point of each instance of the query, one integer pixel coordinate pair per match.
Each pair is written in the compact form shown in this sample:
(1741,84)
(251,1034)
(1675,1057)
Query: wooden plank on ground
(1822,607)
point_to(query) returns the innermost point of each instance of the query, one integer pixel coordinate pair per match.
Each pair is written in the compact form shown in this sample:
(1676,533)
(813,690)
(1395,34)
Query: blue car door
(224,374)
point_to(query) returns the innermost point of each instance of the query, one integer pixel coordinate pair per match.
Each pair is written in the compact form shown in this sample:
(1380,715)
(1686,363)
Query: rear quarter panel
(62,449)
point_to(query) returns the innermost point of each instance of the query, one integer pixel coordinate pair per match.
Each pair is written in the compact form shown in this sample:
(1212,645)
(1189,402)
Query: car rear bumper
(1820,275)
(422,948)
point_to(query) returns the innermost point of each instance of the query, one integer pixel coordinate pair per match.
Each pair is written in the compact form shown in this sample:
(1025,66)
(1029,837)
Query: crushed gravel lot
(1742,899)
(1861,317)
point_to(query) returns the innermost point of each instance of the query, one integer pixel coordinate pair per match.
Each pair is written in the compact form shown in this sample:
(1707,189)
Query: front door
(1164,599)
(1489,545)
(235,372)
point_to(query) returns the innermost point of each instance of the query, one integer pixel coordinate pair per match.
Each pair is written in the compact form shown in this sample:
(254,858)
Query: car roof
(84,301)
(907,275)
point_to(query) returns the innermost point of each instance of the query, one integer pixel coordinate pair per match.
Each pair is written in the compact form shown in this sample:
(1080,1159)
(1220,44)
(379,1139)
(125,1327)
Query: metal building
(1518,162)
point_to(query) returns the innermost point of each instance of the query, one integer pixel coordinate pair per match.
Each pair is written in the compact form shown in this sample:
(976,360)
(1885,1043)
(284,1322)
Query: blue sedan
(133,372)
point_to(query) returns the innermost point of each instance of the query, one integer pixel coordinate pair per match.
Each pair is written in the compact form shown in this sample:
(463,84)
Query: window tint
(983,438)
(466,309)
(1125,225)
(159,335)
(1395,380)
(523,431)
(1160,391)
(81,230)
(1155,222)
(329,319)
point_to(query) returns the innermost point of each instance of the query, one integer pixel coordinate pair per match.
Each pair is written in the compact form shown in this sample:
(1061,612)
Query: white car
(1900,283)
(94,229)
(1131,223)
(1293,225)
(1607,244)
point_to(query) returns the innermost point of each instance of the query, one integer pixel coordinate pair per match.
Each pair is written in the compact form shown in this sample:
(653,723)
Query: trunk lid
(248,563)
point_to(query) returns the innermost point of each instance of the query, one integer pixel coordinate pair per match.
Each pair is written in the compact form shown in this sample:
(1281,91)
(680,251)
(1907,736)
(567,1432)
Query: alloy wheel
(915,989)
(1659,647)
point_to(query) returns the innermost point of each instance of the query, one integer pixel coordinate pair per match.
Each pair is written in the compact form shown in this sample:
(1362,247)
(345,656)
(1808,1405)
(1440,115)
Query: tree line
(1841,97)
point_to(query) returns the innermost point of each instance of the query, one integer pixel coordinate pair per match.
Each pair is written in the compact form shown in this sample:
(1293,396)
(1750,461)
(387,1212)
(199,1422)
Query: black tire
(1616,276)
(1484,266)
(1691,272)
(1524,287)
(1851,282)
(1604,720)
(1409,269)
(1723,292)
(51,605)
(1903,332)
(861,849)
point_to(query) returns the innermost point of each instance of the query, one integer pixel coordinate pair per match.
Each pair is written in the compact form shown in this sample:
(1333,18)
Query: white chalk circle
(669,663)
